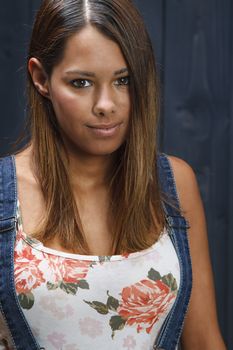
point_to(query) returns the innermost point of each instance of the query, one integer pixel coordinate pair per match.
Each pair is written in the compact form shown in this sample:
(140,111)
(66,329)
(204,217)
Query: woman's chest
(94,218)
(116,300)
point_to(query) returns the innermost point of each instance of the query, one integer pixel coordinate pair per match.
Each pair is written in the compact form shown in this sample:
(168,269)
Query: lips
(104,126)
(104,130)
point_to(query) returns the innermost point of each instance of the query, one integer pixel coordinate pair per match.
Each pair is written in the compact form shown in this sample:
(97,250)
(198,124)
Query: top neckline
(38,245)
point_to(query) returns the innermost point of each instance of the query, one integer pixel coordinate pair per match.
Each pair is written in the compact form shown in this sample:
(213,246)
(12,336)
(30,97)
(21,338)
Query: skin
(103,100)
(201,329)
(81,101)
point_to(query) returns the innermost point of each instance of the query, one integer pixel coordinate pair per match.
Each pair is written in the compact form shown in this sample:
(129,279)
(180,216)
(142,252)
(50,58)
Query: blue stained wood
(152,12)
(197,117)
(229,200)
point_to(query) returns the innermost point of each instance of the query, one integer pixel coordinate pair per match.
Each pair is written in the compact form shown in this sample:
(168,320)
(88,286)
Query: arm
(201,330)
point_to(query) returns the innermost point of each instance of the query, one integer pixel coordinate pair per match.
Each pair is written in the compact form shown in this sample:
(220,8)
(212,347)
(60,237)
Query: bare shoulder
(201,330)
(29,193)
(186,183)
(180,166)
(22,160)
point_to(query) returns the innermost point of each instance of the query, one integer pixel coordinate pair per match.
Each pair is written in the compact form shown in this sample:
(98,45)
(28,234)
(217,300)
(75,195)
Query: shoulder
(24,167)
(180,166)
(186,184)
(202,306)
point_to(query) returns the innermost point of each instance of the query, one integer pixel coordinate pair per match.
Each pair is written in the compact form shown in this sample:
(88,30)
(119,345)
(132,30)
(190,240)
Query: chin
(102,153)
(95,148)
(104,149)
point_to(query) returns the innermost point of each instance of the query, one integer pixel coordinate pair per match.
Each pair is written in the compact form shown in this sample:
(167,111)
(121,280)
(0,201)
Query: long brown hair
(135,202)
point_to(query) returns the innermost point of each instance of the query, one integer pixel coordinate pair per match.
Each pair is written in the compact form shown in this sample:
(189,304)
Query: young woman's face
(89,90)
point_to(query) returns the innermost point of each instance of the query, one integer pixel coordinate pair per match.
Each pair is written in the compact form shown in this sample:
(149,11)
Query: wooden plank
(13,37)
(153,14)
(229,242)
(196,112)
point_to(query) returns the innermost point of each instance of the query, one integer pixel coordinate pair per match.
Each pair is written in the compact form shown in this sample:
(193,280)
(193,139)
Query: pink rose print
(144,302)
(54,262)
(55,307)
(145,346)
(71,347)
(19,243)
(68,270)
(28,275)
(74,270)
(91,327)
(57,340)
(129,343)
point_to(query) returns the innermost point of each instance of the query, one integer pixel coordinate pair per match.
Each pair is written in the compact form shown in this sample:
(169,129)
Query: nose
(104,104)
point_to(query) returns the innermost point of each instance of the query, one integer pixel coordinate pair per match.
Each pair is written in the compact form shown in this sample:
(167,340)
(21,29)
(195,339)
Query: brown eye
(123,81)
(81,83)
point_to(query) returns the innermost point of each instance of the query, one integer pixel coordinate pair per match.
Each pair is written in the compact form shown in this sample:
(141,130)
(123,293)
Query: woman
(94,249)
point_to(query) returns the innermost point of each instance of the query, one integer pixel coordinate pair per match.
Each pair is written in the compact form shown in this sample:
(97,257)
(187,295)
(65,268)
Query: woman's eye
(81,83)
(122,81)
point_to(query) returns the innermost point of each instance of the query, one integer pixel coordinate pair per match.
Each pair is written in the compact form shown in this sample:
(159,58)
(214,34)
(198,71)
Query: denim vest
(21,334)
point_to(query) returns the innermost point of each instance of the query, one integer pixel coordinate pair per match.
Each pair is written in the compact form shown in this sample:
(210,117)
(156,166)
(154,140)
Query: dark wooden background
(193,41)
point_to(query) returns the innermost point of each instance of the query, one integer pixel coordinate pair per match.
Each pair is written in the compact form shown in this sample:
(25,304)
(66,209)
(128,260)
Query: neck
(88,172)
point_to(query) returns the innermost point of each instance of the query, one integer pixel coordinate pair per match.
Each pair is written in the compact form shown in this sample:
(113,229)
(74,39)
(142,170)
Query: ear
(39,76)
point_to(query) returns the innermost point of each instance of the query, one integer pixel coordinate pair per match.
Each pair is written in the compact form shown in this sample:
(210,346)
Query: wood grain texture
(229,256)
(15,28)
(197,117)
(153,13)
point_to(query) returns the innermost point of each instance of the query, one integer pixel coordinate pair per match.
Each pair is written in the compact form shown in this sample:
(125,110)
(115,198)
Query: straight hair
(135,215)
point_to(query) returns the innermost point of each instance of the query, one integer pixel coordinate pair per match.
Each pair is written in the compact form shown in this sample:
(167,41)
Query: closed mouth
(104,126)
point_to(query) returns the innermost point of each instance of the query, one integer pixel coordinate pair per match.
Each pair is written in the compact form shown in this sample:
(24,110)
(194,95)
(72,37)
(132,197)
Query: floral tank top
(79,302)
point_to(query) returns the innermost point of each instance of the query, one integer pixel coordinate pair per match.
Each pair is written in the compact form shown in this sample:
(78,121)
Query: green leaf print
(101,308)
(69,288)
(83,284)
(52,286)
(112,303)
(116,323)
(154,275)
(170,281)
(104,258)
(26,300)
(31,241)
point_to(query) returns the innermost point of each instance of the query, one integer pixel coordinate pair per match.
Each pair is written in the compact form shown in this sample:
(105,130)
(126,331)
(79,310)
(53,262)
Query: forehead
(90,49)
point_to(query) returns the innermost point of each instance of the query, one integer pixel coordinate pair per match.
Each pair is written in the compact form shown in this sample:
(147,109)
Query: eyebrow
(84,73)
(121,71)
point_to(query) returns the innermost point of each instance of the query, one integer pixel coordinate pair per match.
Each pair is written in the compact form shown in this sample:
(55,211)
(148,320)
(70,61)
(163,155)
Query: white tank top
(80,302)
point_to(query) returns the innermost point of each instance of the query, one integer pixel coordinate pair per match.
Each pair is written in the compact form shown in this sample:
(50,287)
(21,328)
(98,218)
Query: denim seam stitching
(172,177)
(165,162)
(187,289)
(12,258)
(180,287)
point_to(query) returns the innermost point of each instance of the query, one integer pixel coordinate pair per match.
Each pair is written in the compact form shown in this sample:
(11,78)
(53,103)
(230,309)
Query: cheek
(124,105)
(68,107)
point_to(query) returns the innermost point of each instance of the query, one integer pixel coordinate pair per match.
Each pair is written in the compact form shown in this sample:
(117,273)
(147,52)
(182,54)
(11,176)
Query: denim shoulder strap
(22,337)
(170,333)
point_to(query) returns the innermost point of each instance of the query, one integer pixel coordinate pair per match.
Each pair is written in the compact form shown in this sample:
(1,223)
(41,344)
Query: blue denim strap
(170,333)
(22,336)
